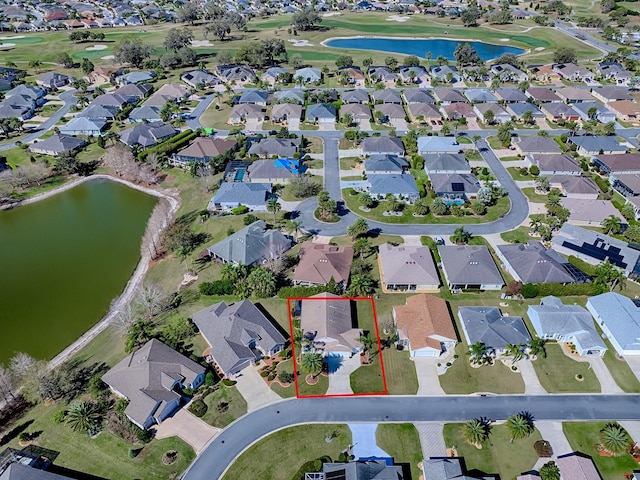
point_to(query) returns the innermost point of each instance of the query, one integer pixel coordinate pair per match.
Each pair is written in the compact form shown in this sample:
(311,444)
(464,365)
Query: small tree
(460,235)
(476,431)
(274,207)
(550,471)
(614,439)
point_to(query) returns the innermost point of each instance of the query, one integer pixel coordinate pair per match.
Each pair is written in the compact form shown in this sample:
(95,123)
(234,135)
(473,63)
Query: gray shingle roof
(59,144)
(241,193)
(407,265)
(231,330)
(597,143)
(396,184)
(469,264)
(488,326)
(537,144)
(387,96)
(254,96)
(443,183)
(446,161)
(416,95)
(621,316)
(147,134)
(282,147)
(385,163)
(363,470)
(355,96)
(320,111)
(535,264)
(17,471)
(371,145)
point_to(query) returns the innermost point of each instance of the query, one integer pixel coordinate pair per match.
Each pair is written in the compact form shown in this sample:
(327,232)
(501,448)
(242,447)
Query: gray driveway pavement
(254,389)
(189,428)
(426,370)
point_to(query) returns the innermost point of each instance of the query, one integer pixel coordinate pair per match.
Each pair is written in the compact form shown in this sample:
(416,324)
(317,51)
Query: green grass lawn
(368,378)
(584,436)
(347,163)
(217,117)
(402,442)
(557,372)
(400,372)
(519,235)
(517,176)
(237,406)
(498,454)
(284,392)
(619,369)
(307,390)
(530,193)
(282,453)
(288,196)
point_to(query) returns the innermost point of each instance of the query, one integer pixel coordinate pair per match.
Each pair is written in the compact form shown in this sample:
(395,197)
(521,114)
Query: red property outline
(293,350)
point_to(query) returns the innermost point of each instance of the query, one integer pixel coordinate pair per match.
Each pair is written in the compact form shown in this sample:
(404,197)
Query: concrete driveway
(426,369)
(294,124)
(254,389)
(634,364)
(340,370)
(188,427)
(365,124)
(253,125)
(326,126)
(400,124)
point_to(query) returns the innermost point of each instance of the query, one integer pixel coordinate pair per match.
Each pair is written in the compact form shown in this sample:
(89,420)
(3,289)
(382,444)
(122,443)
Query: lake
(420,46)
(62,261)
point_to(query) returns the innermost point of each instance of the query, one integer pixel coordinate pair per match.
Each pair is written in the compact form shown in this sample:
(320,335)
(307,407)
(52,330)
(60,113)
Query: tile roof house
(147,135)
(619,318)
(233,194)
(279,171)
(617,163)
(488,326)
(446,163)
(407,268)
(535,144)
(533,263)
(325,320)
(387,95)
(152,379)
(57,145)
(566,323)
(246,111)
(319,263)
(469,267)
(424,326)
(238,335)
(590,212)
(576,466)
(385,164)
(590,145)
(275,147)
(595,248)
(254,244)
(401,186)
(354,96)
(283,112)
(555,164)
(320,113)
(382,146)
(83,126)
(455,186)
(203,149)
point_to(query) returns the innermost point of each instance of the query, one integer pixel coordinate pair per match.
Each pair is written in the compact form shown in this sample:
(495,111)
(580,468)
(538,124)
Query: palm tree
(293,226)
(362,246)
(611,224)
(614,439)
(520,426)
(460,235)
(35,64)
(515,351)
(428,56)
(478,352)
(357,228)
(10,64)
(365,200)
(439,207)
(536,346)
(312,363)
(476,431)
(360,285)
(550,471)
(274,207)
(368,341)
(83,416)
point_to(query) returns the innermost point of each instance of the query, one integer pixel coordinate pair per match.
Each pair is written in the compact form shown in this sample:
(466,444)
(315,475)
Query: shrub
(133,452)
(399,347)
(271,377)
(228,383)
(534,170)
(209,379)
(286,377)
(603,184)
(239,210)
(217,287)
(198,408)
(579,376)
(143,436)
(559,290)
(300,292)
(264,373)
(121,405)
(249,219)
(529,290)
(59,416)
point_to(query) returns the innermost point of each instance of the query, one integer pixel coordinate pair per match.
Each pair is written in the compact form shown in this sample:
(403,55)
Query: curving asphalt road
(69,100)
(221,452)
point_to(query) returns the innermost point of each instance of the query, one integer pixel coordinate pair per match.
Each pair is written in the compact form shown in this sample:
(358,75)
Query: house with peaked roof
(533,263)
(559,111)
(325,320)
(446,95)
(619,318)
(54,80)
(147,135)
(455,187)
(446,163)
(500,115)
(245,111)
(354,96)
(590,145)
(413,75)
(542,94)
(382,146)
(359,470)
(290,96)
(446,468)
(308,75)
(320,113)
(57,145)
(574,95)
(445,73)
(468,267)
(573,73)
(568,324)
(535,144)
(204,149)
(424,112)
(382,74)
(625,110)
(417,95)
(508,73)
(577,466)
(389,112)
(510,94)
(480,95)
(458,110)
(438,145)
(590,212)
(424,326)
(353,75)
(83,126)
(100,112)
(602,114)
(320,263)
(136,77)
(274,74)
(196,78)
(555,164)
(254,244)
(240,74)
(403,186)
(233,194)
(145,113)
(152,379)
(254,97)
(385,164)
(488,326)
(17,470)
(622,163)
(275,147)
(280,170)
(238,335)
(387,95)
(358,111)
(283,112)
(608,94)
(407,268)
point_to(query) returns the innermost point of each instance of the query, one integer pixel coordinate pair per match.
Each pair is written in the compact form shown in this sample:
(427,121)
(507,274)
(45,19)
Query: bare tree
(119,158)
(150,300)
(28,174)
(125,318)
(20,364)
(6,384)
(158,222)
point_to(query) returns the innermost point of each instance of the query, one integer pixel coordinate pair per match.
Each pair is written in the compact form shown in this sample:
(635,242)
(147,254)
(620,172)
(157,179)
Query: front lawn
(517,176)
(224,406)
(402,442)
(619,370)
(519,235)
(282,453)
(530,193)
(306,390)
(368,378)
(285,392)
(584,436)
(557,372)
(400,372)
(498,454)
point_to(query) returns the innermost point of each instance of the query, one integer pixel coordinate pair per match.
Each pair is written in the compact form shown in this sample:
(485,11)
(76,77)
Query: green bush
(198,408)
(534,170)
(300,292)
(307,467)
(59,416)
(169,146)
(209,379)
(217,287)
(228,383)
(529,290)
(603,183)
(239,210)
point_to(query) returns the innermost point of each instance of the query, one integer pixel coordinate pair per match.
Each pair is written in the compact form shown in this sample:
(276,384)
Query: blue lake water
(419,47)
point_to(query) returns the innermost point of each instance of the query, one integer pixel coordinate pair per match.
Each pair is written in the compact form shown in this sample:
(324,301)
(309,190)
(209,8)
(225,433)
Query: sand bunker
(12,38)
(97,47)
(201,43)
(539,49)
(7,45)
(504,40)
(108,57)
(397,18)
(300,43)
(331,14)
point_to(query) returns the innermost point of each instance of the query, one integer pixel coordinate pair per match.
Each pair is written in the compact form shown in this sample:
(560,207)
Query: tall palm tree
(368,341)
(478,352)
(611,224)
(428,56)
(312,363)
(274,207)
(614,439)
(83,416)
(294,226)
(476,431)
(515,351)
(536,346)
(520,426)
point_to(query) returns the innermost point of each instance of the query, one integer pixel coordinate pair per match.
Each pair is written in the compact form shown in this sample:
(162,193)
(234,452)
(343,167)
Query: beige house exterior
(407,269)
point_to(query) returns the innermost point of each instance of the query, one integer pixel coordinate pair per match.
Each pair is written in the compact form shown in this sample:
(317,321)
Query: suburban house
(488,326)
(401,186)
(589,145)
(535,144)
(320,113)
(575,186)
(438,145)
(57,145)
(458,110)
(627,184)
(199,78)
(358,470)
(308,75)
(326,322)
(204,149)
(446,163)
(445,73)
(574,95)
(555,164)
(353,75)
(145,114)
(602,114)
(510,94)
(382,74)
(413,75)
(417,95)
(568,324)
(152,379)
(246,111)
(407,268)
(519,109)
(595,248)
(54,80)
(611,94)
(448,95)
(480,95)
(320,263)
(136,77)
(455,187)
(275,147)
(385,164)
(619,318)
(290,96)
(573,73)
(358,111)
(83,126)
(542,94)
(533,263)
(254,97)
(614,71)
(382,146)
(389,112)
(508,73)
(354,96)
(169,92)
(254,244)
(617,164)
(559,111)
(500,115)
(577,466)
(134,93)
(233,194)
(386,96)
(446,468)
(625,110)
(424,112)
(424,326)
(280,170)
(590,212)
(284,112)
(240,74)
(238,335)
(469,267)
(23,467)
(147,135)
(274,74)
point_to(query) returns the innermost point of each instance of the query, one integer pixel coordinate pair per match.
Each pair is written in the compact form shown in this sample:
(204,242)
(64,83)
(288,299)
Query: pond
(420,46)
(63,260)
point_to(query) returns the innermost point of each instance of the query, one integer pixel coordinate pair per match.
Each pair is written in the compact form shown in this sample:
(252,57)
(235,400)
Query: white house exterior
(619,318)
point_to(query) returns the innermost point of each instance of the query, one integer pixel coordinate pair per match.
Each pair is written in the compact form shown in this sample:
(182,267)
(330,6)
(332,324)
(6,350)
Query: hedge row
(301,292)
(170,146)
(532,290)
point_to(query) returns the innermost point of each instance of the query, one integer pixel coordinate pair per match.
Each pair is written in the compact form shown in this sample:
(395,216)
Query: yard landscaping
(519,235)
(281,454)
(516,174)
(498,454)
(402,442)
(557,372)
(368,378)
(620,370)
(224,406)
(400,372)
(533,196)
(585,437)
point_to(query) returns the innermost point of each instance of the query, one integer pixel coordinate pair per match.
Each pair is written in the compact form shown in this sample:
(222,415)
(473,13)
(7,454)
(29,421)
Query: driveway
(188,427)
(551,431)
(363,441)
(326,126)
(340,370)
(254,389)
(400,124)
(532,384)
(431,439)
(365,125)
(253,125)
(426,369)
(294,124)
(607,383)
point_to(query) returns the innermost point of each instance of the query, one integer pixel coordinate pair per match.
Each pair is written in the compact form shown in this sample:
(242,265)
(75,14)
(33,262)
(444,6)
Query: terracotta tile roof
(422,318)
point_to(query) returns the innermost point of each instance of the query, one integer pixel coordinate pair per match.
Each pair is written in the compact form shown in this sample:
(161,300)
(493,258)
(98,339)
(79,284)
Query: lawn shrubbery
(198,408)
(217,287)
(532,290)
